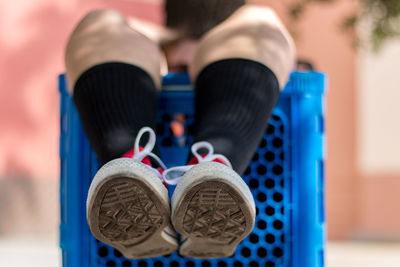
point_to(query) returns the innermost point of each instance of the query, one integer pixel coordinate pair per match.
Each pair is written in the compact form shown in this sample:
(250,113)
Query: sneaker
(128,205)
(212,207)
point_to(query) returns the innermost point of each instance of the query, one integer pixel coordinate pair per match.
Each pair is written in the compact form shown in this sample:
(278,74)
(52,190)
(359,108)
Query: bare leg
(254,33)
(113,72)
(238,70)
(104,36)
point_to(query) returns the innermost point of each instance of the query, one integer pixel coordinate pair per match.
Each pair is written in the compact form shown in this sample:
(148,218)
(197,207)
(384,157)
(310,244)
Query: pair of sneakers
(128,206)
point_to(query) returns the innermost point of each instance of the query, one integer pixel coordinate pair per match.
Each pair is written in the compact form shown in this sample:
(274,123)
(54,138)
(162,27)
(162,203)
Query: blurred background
(363,129)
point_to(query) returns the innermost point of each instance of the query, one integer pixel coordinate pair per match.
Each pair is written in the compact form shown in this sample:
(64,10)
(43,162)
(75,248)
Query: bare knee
(252,32)
(100,18)
(105,36)
(96,22)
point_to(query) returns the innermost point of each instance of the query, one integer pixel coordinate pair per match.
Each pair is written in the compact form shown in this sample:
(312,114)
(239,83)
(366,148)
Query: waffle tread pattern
(128,213)
(214,215)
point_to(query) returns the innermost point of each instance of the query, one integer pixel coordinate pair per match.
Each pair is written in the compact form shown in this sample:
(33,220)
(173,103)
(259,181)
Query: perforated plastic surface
(289,227)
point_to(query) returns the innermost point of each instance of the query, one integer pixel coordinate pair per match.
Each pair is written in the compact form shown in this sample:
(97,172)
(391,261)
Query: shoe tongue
(194,160)
(131,153)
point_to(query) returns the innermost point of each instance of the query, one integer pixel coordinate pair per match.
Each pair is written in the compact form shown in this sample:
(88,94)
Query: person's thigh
(105,36)
(252,32)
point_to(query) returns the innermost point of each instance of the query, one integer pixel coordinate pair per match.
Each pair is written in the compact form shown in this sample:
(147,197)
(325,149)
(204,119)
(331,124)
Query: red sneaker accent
(160,170)
(194,160)
(131,153)
(146,161)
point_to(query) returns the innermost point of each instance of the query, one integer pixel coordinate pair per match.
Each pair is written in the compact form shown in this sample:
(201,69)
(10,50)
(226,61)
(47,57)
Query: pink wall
(32,39)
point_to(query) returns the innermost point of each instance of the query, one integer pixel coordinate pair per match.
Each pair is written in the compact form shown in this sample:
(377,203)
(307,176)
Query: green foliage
(383,16)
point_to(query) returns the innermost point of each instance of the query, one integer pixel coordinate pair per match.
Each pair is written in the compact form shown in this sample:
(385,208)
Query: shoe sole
(214,209)
(128,208)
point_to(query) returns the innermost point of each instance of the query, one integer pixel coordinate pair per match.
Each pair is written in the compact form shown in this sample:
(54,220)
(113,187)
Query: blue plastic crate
(286,176)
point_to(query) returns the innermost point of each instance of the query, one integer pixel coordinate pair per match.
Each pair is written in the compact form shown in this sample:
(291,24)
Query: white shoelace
(146,151)
(174,174)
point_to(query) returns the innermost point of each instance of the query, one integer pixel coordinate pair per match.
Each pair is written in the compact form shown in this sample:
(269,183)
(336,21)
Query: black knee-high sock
(115,100)
(234,100)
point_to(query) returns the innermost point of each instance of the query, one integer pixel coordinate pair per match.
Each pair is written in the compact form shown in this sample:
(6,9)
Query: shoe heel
(204,249)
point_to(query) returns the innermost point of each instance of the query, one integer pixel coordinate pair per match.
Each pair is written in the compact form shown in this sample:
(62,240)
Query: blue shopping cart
(286,176)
